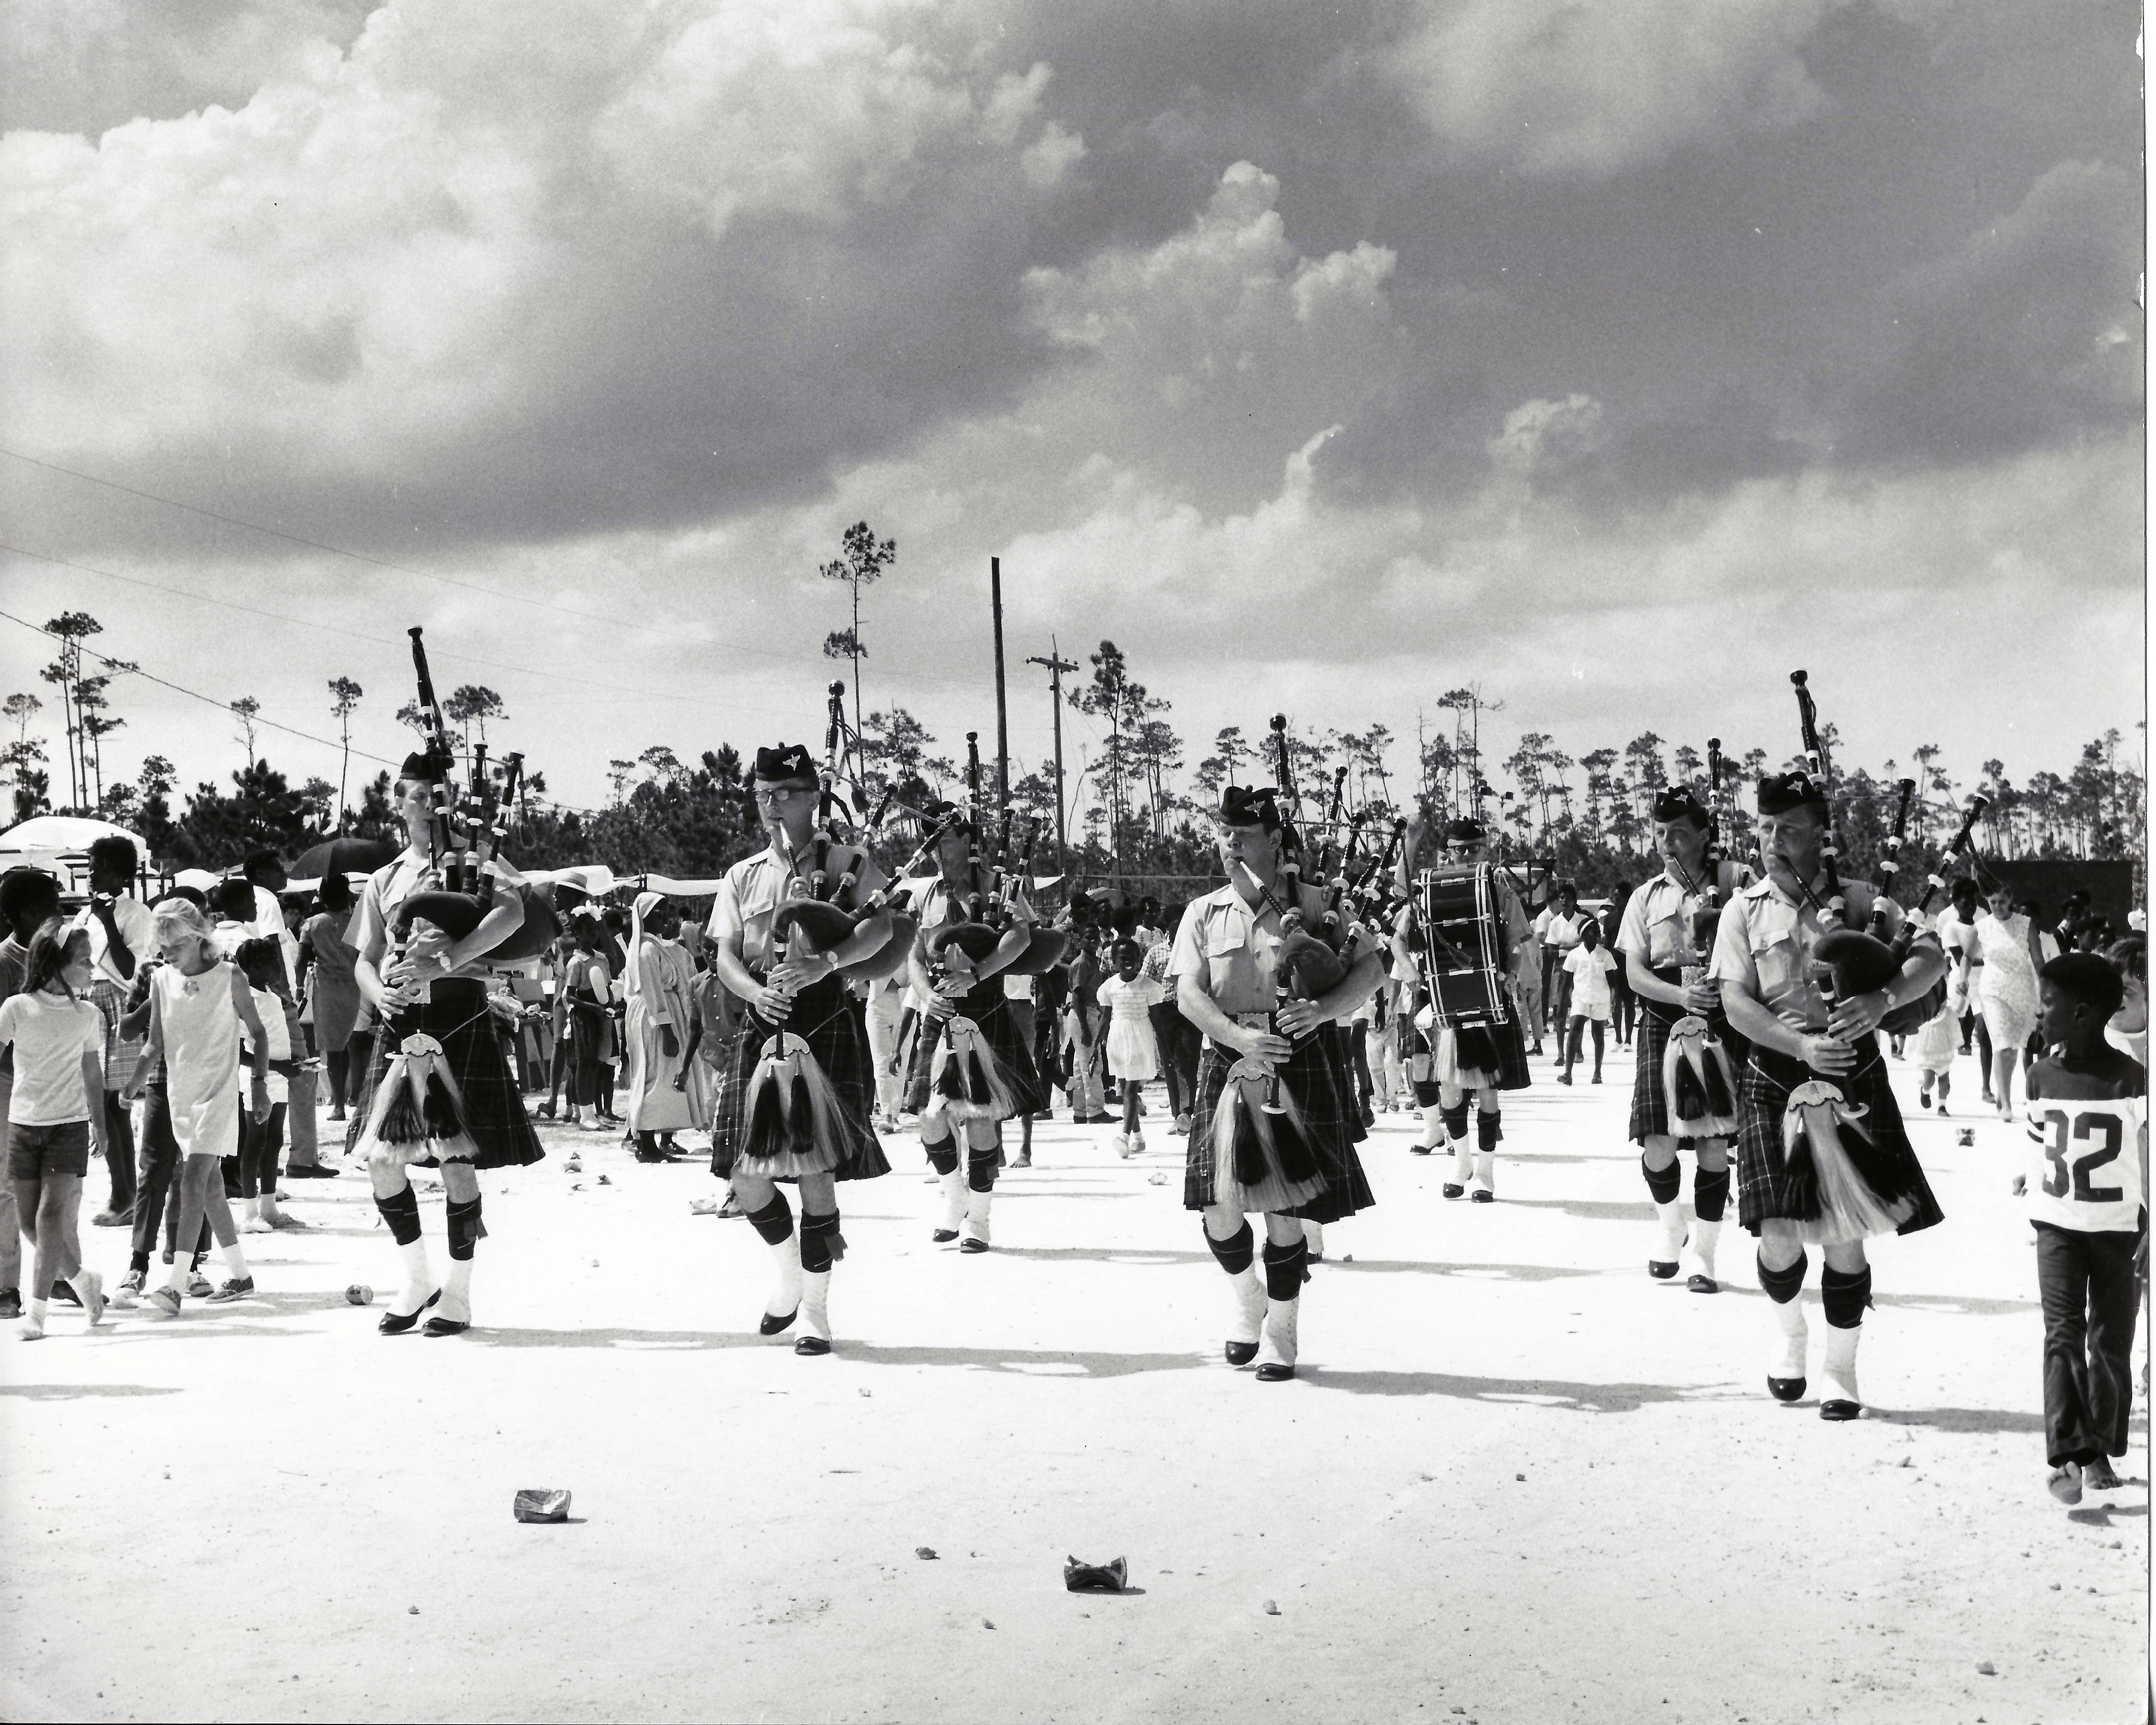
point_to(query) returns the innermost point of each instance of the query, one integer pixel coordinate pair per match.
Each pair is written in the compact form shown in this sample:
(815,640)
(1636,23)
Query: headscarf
(632,980)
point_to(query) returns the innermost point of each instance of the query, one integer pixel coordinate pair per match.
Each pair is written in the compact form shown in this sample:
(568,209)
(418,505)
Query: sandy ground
(1518,1480)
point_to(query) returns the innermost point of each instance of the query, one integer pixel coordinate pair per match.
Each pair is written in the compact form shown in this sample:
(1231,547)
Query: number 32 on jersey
(2090,1175)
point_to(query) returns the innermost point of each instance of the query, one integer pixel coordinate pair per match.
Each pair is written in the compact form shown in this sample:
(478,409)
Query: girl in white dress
(199,1003)
(1128,997)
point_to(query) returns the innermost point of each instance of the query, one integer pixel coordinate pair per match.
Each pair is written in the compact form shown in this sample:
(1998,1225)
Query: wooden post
(1002,709)
(1056,665)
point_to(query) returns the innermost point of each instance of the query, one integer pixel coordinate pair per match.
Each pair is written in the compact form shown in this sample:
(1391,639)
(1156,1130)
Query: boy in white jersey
(2088,1186)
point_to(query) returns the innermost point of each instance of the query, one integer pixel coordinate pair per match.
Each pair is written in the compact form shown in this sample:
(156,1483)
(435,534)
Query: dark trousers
(588,1020)
(254,1170)
(119,1151)
(1177,1042)
(2090,1301)
(1359,1052)
(160,1162)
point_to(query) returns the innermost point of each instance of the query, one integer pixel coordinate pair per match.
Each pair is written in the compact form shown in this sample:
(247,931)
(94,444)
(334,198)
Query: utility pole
(1002,709)
(1056,666)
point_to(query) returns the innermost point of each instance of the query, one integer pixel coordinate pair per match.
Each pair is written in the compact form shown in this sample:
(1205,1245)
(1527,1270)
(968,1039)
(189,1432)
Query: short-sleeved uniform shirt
(2085,1170)
(1657,925)
(1766,940)
(1232,950)
(755,887)
(49,1034)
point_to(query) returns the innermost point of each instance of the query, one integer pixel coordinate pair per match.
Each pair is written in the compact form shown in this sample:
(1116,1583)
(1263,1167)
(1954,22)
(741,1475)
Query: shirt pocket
(1775,958)
(1667,941)
(1224,955)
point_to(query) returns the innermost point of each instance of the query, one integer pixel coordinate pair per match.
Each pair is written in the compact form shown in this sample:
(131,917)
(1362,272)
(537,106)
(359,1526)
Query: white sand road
(1518,1480)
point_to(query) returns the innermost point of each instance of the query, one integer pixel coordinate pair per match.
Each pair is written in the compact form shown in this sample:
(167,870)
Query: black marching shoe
(1661,1272)
(397,1323)
(971,1245)
(771,1322)
(1241,1353)
(943,1237)
(445,1326)
(1786,1389)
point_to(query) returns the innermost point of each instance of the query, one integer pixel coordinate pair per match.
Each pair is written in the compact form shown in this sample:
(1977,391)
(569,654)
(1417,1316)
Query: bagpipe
(465,827)
(965,1080)
(796,1124)
(1260,1136)
(1699,1079)
(1856,960)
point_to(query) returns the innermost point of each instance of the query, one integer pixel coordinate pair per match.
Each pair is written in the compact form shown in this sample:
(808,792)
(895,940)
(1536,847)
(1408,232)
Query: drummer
(1481,1062)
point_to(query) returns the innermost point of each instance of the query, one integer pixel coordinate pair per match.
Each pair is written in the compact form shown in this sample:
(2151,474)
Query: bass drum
(1462,941)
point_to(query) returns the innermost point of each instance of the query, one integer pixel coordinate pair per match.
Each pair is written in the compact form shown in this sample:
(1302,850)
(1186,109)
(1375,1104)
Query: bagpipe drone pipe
(466,827)
(1699,1073)
(795,1122)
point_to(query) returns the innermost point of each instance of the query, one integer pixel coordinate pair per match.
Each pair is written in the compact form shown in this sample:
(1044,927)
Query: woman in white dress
(2014,952)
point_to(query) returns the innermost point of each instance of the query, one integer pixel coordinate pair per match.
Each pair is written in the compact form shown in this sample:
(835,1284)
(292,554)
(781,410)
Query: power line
(133,670)
(492,592)
(350,634)
(130,668)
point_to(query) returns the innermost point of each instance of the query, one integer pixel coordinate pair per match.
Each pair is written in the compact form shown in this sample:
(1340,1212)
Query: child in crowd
(29,899)
(1082,1052)
(2088,1186)
(1128,998)
(2128,1028)
(1590,965)
(251,1174)
(56,1113)
(199,1005)
(1937,1045)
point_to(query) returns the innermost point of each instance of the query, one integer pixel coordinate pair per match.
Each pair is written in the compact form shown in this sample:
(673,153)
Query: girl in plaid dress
(1224,967)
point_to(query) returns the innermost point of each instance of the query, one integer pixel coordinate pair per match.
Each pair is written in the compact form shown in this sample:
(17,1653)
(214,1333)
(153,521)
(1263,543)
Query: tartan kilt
(1507,1039)
(456,1014)
(1316,1076)
(988,1007)
(832,1020)
(1651,1100)
(1887,1164)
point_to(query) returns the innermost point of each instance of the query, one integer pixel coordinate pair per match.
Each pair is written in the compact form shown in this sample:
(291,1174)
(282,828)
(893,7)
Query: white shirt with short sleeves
(51,1034)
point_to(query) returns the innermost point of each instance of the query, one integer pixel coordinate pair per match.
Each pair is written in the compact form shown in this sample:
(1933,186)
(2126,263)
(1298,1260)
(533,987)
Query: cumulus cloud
(525,268)
(1557,87)
(2030,331)
(82,65)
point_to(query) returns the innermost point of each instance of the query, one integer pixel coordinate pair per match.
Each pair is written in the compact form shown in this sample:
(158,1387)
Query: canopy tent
(59,844)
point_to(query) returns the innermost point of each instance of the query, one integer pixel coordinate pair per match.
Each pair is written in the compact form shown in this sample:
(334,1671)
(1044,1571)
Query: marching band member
(799,993)
(1295,1166)
(430,1003)
(1822,1157)
(1657,942)
(962,992)
(1485,1062)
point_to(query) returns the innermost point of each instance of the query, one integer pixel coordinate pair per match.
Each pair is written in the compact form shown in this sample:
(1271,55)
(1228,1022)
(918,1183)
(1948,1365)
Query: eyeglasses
(784,794)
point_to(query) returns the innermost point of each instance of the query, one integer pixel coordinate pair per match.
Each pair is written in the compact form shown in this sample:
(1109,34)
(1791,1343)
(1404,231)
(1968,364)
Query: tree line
(1136,809)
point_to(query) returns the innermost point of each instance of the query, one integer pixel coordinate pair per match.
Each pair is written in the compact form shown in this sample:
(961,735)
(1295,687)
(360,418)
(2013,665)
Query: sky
(1616,360)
